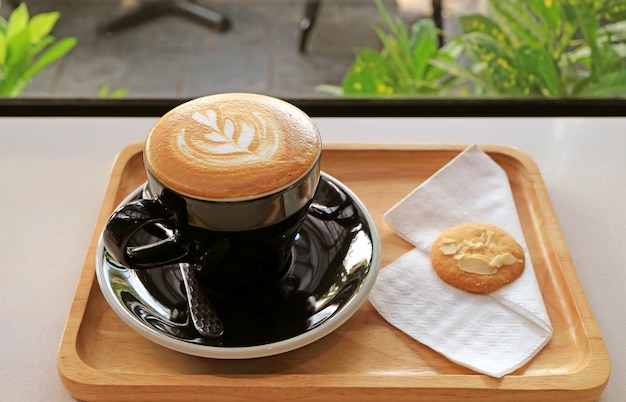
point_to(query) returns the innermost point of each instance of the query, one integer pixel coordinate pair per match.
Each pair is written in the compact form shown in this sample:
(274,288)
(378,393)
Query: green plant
(26,48)
(546,48)
(402,67)
(105,92)
(550,48)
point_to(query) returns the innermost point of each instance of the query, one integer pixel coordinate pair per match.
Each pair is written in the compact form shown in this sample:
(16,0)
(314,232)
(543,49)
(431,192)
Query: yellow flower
(487,57)
(384,89)
(503,63)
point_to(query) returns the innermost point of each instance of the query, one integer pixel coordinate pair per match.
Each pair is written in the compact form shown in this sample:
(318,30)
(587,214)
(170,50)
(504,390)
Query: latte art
(232,146)
(228,141)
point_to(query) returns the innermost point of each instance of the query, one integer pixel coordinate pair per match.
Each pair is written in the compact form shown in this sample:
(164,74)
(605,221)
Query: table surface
(53,173)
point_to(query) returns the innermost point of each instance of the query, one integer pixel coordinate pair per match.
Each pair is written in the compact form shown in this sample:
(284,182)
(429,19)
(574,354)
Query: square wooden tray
(100,358)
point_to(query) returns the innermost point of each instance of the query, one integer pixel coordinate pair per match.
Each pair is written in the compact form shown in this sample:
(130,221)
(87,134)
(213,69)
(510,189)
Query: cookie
(477,257)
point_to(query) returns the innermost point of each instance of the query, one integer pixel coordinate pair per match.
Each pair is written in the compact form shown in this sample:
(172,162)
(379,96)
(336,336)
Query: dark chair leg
(307,22)
(149,10)
(438,18)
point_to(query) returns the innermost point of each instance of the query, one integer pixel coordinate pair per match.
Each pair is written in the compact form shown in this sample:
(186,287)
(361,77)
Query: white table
(53,173)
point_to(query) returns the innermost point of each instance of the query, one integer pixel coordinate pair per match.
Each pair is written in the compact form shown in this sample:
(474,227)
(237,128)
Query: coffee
(230,181)
(231,147)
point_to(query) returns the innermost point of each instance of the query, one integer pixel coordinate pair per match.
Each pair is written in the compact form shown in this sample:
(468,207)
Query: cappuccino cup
(230,178)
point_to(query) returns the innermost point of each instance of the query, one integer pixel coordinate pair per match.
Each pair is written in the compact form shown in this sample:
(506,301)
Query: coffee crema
(232,146)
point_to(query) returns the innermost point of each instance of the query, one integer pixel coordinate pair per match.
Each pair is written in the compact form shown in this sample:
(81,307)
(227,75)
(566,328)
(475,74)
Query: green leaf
(462,72)
(3,49)
(369,75)
(399,38)
(569,28)
(422,28)
(548,13)
(41,25)
(52,54)
(3,26)
(11,88)
(609,84)
(104,91)
(448,86)
(395,28)
(612,10)
(611,59)
(12,82)
(450,52)
(38,47)
(425,39)
(18,48)
(498,61)
(583,15)
(518,21)
(119,93)
(537,71)
(480,23)
(393,56)
(18,21)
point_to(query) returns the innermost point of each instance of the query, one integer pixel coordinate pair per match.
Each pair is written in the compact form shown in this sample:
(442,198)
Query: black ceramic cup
(230,180)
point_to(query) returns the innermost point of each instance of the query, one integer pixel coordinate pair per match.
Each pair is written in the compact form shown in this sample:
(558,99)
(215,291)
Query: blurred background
(175,56)
(358,48)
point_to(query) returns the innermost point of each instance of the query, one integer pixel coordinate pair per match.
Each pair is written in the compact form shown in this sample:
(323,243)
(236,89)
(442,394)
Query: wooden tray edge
(69,363)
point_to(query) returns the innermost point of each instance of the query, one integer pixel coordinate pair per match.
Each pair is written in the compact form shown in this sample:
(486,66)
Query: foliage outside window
(540,48)
(26,48)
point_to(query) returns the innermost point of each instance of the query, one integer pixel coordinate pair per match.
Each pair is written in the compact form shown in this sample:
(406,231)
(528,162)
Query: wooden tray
(100,358)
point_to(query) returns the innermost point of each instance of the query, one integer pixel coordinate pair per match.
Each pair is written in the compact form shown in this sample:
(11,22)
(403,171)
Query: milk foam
(232,146)
(225,141)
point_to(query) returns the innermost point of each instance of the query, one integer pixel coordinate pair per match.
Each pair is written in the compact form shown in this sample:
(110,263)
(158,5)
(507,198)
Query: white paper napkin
(493,334)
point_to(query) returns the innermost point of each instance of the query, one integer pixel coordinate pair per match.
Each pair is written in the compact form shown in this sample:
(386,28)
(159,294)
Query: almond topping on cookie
(489,241)
(448,248)
(496,261)
(477,264)
(477,257)
(485,257)
(508,258)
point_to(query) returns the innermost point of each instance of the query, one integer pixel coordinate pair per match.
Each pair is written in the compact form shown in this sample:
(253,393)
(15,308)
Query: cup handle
(147,218)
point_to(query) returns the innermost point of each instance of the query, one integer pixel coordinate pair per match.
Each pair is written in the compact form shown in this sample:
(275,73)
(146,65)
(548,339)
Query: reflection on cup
(230,180)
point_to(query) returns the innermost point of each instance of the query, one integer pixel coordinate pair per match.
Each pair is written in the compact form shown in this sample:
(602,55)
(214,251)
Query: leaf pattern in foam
(233,140)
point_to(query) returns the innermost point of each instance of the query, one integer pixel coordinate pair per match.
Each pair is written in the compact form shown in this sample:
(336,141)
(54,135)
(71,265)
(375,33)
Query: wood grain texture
(100,358)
